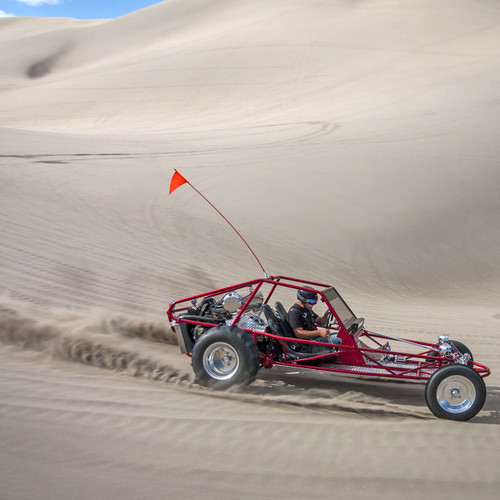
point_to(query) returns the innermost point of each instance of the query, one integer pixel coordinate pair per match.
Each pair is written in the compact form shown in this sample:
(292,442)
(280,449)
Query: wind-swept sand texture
(350,142)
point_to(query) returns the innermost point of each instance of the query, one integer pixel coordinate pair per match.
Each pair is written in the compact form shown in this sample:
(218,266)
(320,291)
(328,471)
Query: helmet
(307,297)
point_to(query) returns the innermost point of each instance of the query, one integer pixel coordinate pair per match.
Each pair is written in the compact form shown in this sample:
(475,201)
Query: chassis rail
(415,366)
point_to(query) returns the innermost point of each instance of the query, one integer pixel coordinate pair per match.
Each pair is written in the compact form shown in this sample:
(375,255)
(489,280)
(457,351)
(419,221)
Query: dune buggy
(232,332)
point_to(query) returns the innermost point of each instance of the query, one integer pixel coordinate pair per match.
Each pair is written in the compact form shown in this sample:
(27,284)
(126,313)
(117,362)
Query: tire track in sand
(147,349)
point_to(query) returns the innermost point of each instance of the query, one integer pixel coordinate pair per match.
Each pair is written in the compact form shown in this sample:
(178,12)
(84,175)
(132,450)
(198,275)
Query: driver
(303,319)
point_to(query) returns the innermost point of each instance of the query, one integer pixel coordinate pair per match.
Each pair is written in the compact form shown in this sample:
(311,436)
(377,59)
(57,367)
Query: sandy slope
(353,142)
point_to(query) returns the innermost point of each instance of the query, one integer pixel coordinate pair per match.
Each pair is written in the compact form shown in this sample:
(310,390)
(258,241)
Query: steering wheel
(331,322)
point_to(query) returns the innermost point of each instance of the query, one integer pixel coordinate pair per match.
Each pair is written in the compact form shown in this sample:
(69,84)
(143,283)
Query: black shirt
(301,317)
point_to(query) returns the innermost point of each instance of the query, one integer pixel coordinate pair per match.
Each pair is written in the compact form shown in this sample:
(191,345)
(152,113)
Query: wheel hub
(456,394)
(221,361)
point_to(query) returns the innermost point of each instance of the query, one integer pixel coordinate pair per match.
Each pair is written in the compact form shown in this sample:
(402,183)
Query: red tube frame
(424,363)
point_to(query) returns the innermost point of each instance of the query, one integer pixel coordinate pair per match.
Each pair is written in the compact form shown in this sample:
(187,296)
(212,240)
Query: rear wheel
(224,357)
(455,392)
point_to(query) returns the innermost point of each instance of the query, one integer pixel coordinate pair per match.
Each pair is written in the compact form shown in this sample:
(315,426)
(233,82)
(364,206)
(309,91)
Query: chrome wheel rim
(456,394)
(221,361)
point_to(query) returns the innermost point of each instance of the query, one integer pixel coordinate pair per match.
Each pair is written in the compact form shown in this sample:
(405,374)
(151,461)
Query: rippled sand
(350,142)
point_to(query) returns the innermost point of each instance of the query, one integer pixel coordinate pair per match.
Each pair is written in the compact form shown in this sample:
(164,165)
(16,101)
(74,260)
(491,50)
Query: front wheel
(455,392)
(462,349)
(225,356)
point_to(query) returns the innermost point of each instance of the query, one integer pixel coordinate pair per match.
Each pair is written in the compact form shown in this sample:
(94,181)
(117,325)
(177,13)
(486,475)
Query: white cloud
(6,14)
(35,3)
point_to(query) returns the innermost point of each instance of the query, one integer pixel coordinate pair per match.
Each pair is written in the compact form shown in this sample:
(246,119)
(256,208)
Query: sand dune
(351,142)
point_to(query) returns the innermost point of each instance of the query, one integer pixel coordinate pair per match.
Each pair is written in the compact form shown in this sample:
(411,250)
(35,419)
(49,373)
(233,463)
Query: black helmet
(307,297)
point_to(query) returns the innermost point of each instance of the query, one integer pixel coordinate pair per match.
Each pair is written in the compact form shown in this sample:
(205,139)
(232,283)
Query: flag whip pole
(178,180)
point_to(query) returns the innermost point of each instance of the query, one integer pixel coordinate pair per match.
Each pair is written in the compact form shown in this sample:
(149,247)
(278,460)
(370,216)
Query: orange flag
(177,181)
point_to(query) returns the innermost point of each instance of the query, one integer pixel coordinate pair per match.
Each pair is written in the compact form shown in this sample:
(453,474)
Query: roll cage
(361,352)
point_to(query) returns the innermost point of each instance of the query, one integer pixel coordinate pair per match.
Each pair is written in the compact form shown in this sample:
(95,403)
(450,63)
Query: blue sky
(80,9)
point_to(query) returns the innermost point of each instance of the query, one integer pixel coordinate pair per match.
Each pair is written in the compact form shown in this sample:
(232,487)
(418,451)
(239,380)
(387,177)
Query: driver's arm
(323,320)
(300,333)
